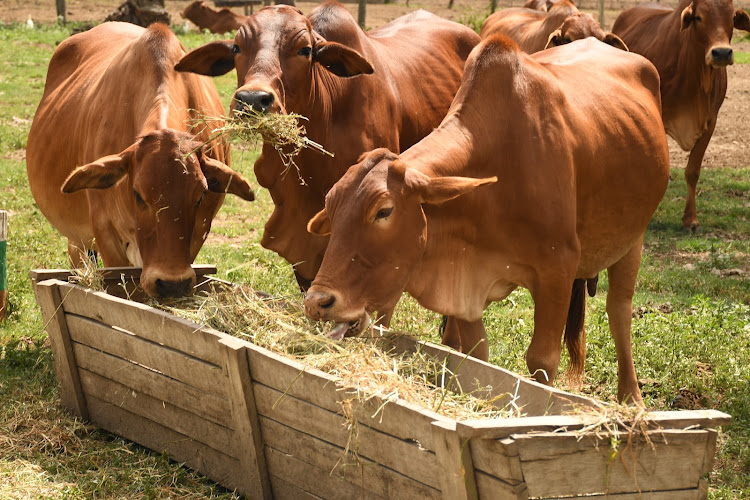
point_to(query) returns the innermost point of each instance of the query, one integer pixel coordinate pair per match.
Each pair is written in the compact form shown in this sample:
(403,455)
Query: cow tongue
(350,328)
(338,331)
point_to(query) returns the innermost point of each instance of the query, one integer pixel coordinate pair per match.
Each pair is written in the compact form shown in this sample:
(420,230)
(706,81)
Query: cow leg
(450,333)
(622,278)
(692,173)
(551,304)
(473,338)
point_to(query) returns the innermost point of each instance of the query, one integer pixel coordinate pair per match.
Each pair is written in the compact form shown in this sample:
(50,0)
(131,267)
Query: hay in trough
(282,131)
(367,365)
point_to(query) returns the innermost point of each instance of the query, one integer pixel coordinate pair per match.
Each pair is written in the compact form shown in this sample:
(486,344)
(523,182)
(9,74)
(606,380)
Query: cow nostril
(166,288)
(327,301)
(257,100)
(722,53)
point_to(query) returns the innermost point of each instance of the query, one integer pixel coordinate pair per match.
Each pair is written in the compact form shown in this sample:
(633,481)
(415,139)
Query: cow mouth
(350,328)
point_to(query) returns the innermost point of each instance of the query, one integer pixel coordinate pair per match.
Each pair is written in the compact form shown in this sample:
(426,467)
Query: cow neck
(445,279)
(685,100)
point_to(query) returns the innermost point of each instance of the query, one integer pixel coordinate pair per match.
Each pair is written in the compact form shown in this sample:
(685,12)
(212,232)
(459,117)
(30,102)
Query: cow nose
(166,288)
(318,303)
(722,54)
(257,100)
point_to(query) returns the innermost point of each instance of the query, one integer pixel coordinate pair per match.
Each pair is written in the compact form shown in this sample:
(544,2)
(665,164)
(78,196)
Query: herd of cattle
(465,166)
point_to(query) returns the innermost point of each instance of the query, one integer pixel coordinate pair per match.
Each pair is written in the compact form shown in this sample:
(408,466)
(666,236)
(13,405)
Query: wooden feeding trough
(271,427)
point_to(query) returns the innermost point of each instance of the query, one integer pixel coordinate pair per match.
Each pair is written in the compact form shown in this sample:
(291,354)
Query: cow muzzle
(720,57)
(323,305)
(259,101)
(165,287)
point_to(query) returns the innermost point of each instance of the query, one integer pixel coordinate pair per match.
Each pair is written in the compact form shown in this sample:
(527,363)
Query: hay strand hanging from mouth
(282,131)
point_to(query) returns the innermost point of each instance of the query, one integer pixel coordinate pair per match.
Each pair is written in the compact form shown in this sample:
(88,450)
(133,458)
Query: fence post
(361,13)
(601,13)
(61,10)
(3,263)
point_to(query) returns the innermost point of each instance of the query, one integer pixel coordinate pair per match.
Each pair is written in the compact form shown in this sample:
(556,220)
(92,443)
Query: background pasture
(691,329)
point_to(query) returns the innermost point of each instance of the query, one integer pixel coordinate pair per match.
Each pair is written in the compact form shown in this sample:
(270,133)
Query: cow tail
(575,335)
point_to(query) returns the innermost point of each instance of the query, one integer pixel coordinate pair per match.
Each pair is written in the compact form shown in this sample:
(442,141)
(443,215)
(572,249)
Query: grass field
(691,329)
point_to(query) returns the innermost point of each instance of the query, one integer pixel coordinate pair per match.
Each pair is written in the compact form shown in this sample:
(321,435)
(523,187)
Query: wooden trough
(271,427)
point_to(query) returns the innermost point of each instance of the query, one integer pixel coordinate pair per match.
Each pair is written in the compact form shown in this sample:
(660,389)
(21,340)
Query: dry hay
(368,365)
(282,131)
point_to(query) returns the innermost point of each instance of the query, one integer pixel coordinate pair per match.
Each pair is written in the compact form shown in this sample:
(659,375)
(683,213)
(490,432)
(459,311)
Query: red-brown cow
(215,21)
(690,46)
(410,70)
(569,147)
(145,192)
(535,30)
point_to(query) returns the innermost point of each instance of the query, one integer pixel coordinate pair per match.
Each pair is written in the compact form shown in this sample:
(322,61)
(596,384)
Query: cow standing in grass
(690,47)
(111,161)
(388,87)
(546,171)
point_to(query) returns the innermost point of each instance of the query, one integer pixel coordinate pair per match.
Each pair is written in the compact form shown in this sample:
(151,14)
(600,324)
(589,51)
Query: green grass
(691,331)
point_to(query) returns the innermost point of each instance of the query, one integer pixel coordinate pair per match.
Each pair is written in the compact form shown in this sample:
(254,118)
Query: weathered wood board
(270,427)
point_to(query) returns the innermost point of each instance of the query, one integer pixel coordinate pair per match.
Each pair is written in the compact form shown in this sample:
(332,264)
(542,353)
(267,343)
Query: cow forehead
(582,24)
(719,7)
(166,157)
(363,184)
(276,24)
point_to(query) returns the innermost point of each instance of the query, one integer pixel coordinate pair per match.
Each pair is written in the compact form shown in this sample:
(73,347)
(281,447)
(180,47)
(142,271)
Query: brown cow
(146,191)
(569,144)
(535,30)
(690,48)
(410,70)
(215,21)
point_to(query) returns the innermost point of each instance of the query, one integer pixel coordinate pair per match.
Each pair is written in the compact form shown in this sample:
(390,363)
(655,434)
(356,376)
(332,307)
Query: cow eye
(235,49)
(138,198)
(383,213)
(568,39)
(305,51)
(697,19)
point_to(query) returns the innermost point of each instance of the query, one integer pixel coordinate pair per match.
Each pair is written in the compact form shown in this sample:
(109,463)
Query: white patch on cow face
(133,254)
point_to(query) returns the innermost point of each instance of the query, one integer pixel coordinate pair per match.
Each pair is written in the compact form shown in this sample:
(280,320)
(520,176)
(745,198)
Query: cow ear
(555,39)
(100,174)
(615,41)
(341,60)
(320,224)
(437,190)
(222,179)
(686,17)
(741,20)
(213,59)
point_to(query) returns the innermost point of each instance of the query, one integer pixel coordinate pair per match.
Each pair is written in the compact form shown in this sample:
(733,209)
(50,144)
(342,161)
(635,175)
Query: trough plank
(209,406)
(498,457)
(556,464)
(308,478)
(217,437)
(174,364)
(72,396)
(249,442)
(283,491)
(147,322)
(215,465)
(652,495)
(396,418)
(376,478)
(457,470)
(533,398)
(406,457)
(492,488)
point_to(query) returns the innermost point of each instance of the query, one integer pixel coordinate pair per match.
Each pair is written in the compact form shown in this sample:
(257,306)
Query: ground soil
(730,146)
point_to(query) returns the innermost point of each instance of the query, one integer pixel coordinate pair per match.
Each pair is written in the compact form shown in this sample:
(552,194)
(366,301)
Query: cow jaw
(350,328)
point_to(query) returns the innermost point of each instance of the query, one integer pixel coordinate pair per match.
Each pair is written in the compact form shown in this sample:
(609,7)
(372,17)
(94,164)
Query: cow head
(580,26)
(712,22)
(168,187)
(276,54)
(378,236)
(193,10)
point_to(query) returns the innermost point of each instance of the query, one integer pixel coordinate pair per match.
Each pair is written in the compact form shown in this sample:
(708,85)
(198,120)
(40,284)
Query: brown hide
(540,4)
(535,30)
(110,163)
(573,196)
(215,21)
(690,47)
(360,90)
